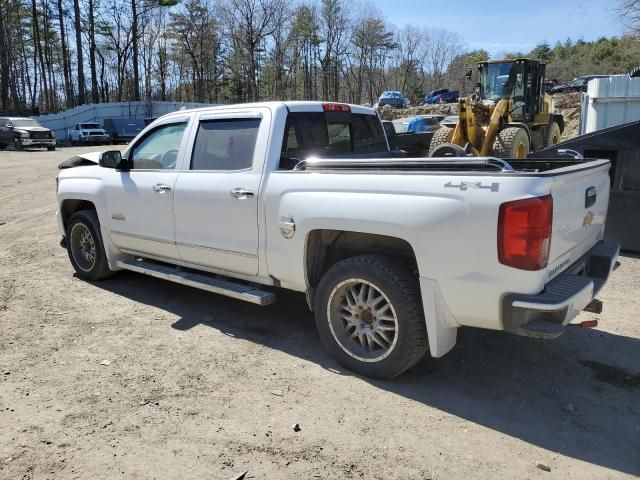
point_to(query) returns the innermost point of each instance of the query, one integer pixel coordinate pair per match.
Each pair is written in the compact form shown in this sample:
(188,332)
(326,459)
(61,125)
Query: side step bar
(239,291)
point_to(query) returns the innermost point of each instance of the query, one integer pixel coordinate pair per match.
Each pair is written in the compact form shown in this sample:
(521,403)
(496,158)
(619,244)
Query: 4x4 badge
(464,186)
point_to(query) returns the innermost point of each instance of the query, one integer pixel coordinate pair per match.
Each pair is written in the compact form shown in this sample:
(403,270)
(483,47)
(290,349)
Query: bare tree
(629,11)
(250,23)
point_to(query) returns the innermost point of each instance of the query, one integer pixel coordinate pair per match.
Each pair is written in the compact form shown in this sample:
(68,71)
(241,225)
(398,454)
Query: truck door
(217,198)
(140,201)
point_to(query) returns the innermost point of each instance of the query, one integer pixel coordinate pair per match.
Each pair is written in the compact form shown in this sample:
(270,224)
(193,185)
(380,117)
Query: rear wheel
(85,247)
(440,137)
(369,316)
(552,135)
(512,142)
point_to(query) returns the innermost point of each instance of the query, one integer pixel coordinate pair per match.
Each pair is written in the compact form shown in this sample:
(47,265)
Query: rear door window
(225,144)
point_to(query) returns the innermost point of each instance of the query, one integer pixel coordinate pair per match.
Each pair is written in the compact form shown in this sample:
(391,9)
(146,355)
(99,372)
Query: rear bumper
(547,314)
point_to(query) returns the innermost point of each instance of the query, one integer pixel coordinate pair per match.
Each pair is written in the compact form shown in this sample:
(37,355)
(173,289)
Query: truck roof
(293,106)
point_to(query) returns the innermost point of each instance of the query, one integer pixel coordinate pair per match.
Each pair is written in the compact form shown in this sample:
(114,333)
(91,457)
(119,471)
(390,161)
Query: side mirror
(468,74)
(111,159)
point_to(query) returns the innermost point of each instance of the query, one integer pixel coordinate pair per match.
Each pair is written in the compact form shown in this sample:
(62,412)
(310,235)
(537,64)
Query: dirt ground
(137,378)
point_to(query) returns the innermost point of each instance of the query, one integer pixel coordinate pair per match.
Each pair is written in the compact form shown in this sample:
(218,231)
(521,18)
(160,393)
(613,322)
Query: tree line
(57,54)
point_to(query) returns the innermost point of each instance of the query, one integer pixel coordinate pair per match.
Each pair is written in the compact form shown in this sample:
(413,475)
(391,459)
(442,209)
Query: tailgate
(580,201)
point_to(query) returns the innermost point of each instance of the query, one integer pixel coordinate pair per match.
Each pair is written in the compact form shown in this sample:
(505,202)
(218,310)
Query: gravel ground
(137,378)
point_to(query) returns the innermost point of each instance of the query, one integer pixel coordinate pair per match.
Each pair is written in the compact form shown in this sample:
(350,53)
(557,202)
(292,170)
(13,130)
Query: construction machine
(508,115)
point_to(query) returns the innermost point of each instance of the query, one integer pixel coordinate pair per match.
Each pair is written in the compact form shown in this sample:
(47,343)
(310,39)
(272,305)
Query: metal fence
(61,122)
(610,101)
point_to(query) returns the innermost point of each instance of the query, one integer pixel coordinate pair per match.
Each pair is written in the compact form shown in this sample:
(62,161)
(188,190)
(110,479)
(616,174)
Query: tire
(85,247)
(391,339)
(440,137)
(51,148)
(552,134)
(17,145)
(2,146)
(512,142)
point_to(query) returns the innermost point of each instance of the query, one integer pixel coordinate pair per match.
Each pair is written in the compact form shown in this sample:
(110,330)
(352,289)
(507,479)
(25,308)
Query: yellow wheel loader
(508,115)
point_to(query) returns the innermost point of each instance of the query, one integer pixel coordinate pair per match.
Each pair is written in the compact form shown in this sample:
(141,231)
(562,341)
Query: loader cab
(520,79)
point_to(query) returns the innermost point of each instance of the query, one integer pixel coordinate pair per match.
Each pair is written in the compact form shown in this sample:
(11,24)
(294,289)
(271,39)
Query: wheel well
(325,248)
(69,207)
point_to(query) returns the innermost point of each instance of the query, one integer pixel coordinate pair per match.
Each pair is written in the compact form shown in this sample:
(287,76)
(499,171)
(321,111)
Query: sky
(501,26)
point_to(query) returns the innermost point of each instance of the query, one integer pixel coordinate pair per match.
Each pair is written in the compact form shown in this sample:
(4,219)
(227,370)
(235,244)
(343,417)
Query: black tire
(440,137)
(397,288)
(17,144)
(552,134)
(3,146)
(51,148)
(87,269)
(512,142)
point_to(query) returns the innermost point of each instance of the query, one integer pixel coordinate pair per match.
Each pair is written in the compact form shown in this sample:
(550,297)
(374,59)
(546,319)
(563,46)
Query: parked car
(88,132)
(395,99)
(450,121)
(443,95)
(21,132)
(576,85)
(415,143)
(393,255)
(123,130)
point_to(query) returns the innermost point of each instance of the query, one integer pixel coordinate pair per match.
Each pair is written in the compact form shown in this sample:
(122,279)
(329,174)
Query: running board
(239,291)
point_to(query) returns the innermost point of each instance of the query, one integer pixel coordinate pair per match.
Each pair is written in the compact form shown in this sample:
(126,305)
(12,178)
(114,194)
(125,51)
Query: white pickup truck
(394,255)
(88,132)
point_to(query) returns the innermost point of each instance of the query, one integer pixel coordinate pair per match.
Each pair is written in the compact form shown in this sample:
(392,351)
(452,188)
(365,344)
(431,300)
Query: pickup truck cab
(393,255)
(23,132)
(88,132)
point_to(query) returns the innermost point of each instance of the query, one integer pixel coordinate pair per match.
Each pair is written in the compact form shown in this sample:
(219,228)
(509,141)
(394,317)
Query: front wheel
(369,315)
(512,142)
(441,136)
(85,247)
(51,148)
(17,144)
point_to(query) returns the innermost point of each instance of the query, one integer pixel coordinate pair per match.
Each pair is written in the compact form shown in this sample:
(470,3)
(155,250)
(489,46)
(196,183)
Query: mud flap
(441,327)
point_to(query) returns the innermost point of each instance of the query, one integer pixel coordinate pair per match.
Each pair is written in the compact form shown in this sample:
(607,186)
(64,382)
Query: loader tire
(552,135)
(440,137)
(512,142)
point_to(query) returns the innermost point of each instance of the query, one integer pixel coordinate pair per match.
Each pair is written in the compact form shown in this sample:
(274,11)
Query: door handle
(241,193)
(161,188)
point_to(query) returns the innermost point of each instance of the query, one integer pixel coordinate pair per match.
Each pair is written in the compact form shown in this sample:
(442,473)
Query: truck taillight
(336,107)
(524,233)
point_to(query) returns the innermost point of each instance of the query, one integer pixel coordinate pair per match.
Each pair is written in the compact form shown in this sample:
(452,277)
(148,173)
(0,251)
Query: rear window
(330,135)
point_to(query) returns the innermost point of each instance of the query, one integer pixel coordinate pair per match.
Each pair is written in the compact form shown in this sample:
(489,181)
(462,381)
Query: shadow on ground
(577,396)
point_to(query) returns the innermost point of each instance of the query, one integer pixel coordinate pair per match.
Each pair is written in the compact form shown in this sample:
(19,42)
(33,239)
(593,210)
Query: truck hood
(32,129)
(81,160)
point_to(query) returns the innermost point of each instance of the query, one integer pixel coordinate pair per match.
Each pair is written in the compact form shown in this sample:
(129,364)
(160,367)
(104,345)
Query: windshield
(502,80)
(90,125)
(25,122)
(577,82)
